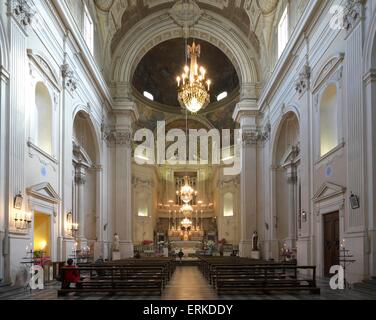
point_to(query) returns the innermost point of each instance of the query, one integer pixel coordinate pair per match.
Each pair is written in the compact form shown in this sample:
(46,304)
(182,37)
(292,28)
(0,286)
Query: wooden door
(331,241)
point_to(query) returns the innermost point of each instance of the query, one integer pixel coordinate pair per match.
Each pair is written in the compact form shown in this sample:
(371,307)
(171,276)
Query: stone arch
(95,128)
(370,47)
(205,123)
(278,127)
(86,181)
(4,59)
(284,179)
(211,27)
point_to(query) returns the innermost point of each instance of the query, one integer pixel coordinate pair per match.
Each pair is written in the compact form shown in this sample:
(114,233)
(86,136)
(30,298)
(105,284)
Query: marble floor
(188,283)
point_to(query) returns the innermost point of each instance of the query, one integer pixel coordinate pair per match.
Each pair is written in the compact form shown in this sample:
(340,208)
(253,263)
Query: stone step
(366,285)
(9,290)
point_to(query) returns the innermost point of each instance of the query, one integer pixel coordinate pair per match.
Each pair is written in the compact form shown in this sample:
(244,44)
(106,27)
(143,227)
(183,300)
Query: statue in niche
(116,243)
(255,241)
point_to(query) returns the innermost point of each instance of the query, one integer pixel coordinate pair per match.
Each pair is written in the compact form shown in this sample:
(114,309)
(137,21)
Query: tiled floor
(188,283)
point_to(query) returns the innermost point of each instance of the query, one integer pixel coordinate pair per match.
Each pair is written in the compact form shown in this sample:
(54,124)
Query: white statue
(255,241)
(116,243)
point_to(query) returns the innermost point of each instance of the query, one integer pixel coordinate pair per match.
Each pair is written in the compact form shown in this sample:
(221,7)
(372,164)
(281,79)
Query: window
(148,95)
(43,105)
(143,209)
(222,96)
(283,32)
(228,205)
(328,120)
(88,31)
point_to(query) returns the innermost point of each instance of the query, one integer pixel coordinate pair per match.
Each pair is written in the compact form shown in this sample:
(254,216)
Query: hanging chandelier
(186,209)
(193,88)
(186,192)
(186,223)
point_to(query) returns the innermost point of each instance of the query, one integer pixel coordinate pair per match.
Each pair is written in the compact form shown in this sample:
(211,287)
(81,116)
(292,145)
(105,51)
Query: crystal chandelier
(186,192)
(186,223)
(193,89)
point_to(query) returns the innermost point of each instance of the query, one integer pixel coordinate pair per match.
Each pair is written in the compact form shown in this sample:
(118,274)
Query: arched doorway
(286,183)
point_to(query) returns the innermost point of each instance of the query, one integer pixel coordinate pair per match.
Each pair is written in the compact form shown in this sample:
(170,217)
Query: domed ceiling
(157,71)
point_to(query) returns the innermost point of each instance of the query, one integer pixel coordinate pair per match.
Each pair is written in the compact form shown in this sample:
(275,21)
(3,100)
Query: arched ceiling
(253,17)
(157,71)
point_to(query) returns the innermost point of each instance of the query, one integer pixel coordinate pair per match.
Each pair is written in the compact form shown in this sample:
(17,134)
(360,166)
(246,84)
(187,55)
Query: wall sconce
(354,201)
(22,221)
(304,216)
(18,199)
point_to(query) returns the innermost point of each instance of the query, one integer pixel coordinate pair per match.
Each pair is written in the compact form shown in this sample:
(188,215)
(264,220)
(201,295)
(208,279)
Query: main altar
(186,240)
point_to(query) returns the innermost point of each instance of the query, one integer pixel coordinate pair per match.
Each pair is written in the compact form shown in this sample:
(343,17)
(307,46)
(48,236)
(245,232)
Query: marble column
(20,18)
(80,180)
(4,78)
(292,195)
(121,140)
(246,115)
(355,222)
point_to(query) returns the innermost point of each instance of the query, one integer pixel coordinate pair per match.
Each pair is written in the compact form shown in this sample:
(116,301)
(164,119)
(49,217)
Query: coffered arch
(160,27)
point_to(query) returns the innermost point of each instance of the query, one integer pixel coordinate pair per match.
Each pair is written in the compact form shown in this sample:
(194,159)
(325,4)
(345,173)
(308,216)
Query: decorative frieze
(353,14)
(303,82)
(21,11)
(70,80)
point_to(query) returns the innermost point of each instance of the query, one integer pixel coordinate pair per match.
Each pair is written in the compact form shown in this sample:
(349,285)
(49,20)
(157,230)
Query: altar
(189,247)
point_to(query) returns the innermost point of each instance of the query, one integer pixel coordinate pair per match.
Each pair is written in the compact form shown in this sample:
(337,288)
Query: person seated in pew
(181,254)
(137,255)
(233,253)
(99,271)
(71,276)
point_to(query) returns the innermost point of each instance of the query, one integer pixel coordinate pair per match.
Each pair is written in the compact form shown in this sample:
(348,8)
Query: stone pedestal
(126,249)
(245,249)
(98,252)
(255,255)
(115,255)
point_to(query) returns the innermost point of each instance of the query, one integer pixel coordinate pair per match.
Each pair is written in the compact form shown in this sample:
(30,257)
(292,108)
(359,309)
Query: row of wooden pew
(234,275)
(131,276)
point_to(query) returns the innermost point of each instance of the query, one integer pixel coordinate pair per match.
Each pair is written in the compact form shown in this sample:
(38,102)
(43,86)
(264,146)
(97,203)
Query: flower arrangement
(40,259)
(210,245)
(287,253)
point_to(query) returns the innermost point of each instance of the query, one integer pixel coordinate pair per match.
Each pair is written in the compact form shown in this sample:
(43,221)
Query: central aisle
(188,283)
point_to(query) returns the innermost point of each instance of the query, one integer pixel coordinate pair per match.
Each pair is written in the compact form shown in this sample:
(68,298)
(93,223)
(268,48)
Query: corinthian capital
(121,137)
(22,11)
(69,77)
(353,13)
(251,136)
(302,83)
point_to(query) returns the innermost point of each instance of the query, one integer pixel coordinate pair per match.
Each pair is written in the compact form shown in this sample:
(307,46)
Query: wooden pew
(131,276)
(268,279)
